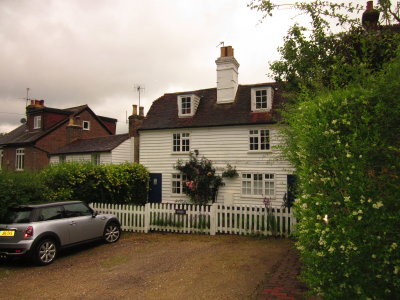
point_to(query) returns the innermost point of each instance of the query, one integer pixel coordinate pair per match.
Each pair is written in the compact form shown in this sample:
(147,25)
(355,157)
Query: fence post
(146,217)
(213,219)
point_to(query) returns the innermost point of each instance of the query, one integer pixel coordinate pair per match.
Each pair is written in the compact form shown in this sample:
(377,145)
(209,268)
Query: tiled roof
(100,144)
(20,136)
(163,113)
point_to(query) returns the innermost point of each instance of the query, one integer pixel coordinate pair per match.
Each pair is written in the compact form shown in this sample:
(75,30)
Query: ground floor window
(19,159)
(261,184)
(178,184)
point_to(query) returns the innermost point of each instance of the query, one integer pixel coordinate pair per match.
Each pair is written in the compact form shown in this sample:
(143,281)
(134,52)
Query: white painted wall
(123,153)
(222,145)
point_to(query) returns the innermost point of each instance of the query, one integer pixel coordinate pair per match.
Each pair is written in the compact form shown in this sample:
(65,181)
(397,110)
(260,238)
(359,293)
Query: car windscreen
(17,215)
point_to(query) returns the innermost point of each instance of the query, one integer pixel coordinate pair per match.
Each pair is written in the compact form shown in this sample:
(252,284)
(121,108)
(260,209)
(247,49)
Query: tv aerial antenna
(139,88)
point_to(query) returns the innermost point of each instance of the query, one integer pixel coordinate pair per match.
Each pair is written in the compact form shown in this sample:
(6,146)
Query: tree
(343,141)
(314,58)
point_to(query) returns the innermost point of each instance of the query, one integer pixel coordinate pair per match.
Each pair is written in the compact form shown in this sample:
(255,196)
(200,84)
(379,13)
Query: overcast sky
(93,52)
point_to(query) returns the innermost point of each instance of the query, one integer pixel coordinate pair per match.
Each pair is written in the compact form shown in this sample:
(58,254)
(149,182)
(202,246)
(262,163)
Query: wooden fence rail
(205,219)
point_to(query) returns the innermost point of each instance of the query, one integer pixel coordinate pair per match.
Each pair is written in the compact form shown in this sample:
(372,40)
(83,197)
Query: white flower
(377,205)
(334,122)
(346,199)
(373,256)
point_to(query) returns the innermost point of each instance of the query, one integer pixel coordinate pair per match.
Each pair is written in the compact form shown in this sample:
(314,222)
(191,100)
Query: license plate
(7,233)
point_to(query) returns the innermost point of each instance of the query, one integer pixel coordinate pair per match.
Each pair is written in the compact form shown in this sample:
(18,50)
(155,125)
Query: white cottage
(235,124)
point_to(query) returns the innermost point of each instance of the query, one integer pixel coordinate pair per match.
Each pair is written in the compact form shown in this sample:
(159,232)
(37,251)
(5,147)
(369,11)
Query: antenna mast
(27,96)
(139,88)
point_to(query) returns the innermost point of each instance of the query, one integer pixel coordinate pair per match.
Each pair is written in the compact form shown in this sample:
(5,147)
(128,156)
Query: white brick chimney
(227,76)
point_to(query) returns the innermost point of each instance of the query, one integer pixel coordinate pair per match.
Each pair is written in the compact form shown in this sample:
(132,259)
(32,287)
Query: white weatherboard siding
(222,145)
(123,153)
(120,154)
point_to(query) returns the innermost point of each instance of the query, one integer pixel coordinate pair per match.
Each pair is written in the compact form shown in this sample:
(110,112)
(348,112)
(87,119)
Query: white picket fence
(207,219)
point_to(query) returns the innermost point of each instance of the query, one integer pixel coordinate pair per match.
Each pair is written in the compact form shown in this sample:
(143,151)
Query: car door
(81,223)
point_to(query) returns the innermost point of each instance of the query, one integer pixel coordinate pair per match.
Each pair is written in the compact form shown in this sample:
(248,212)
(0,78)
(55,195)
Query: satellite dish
(23,121)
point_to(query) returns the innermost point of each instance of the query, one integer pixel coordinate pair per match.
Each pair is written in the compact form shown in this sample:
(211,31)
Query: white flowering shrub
(345,145)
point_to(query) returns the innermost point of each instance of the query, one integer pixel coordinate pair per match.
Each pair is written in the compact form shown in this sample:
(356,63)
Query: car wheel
(45,252)
(112,232)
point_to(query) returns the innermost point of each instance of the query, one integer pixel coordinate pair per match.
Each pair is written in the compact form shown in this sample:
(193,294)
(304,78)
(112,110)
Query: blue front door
(155,188)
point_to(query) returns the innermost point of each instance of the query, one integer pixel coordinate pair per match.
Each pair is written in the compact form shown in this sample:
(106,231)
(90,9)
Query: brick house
(29,146)
(113,149)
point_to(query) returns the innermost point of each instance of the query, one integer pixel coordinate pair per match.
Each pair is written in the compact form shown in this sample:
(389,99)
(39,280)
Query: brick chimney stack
(370,17)
(74,131)
(135,122)
(227,76)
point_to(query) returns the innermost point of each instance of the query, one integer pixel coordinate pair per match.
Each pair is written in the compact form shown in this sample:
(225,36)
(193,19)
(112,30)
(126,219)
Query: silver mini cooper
(40,231)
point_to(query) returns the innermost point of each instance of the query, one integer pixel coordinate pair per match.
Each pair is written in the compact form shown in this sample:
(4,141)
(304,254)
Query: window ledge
(259,151)
(261,197)
(180,153)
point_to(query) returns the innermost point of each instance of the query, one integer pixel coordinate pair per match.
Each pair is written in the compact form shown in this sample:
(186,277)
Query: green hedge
(345,145)
(20,188)
(121,184)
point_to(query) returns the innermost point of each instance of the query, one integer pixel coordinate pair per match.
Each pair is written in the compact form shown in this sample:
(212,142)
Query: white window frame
(254,97)
(19,159)
(37,122)
(178,183)
(181,142)
(256,137)
(86,125)
(258,184)
(185,111)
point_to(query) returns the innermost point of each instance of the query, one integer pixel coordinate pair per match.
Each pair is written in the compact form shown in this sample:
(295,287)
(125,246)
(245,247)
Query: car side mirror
(94,214)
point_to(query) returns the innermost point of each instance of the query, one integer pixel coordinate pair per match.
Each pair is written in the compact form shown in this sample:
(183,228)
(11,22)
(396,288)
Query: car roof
(48,204)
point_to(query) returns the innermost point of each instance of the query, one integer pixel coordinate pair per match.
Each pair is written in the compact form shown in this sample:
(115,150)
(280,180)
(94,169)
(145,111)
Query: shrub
(121,184)
(345,145)
(18,188)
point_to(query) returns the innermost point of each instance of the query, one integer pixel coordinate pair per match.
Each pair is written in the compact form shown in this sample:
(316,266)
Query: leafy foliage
(19,188)
(124,183)
(345,145)
(202,183)
(313,58)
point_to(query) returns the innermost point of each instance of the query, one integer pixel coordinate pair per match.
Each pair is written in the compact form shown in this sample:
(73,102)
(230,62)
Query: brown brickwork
(54,128)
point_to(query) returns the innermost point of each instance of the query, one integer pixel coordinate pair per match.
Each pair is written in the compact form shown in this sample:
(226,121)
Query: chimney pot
(370,5)
(134,110)
(141,111)
(41,103)
(32,102)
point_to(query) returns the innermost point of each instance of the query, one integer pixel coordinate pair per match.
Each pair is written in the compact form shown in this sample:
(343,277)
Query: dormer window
(261,99)
(86,125)
(187,105)
(37,122)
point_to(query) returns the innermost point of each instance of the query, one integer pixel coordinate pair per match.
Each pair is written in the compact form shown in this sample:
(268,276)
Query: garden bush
(18,188)
(119,184)
(345,145)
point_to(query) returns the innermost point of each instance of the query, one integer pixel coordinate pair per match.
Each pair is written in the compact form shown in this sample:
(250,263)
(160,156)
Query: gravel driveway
(150,266)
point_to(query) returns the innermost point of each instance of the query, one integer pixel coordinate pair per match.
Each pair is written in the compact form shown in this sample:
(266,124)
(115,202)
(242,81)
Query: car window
(77,210)
(51,213)
(17,215)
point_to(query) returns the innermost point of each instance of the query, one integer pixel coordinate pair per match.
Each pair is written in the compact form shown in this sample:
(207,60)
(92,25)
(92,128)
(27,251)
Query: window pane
(77,210)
